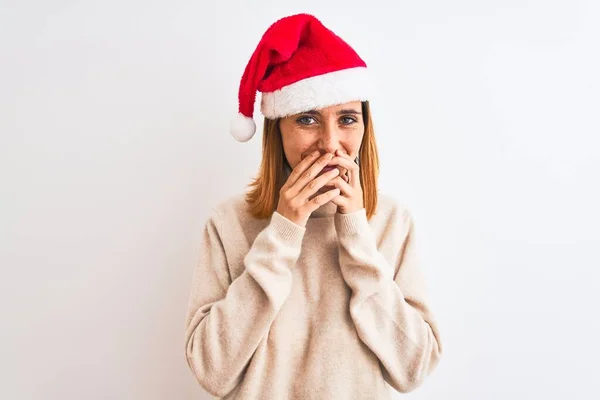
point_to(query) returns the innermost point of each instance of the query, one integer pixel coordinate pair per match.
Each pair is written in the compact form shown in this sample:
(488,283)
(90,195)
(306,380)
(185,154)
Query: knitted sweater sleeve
(388,303)
(226,320)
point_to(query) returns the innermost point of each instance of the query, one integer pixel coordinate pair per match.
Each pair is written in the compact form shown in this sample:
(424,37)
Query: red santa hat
(298,65)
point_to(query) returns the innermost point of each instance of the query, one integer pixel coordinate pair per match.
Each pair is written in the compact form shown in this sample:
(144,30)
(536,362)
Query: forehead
(350,106)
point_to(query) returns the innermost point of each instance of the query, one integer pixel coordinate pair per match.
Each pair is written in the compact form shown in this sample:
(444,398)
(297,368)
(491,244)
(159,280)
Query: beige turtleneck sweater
(333,310)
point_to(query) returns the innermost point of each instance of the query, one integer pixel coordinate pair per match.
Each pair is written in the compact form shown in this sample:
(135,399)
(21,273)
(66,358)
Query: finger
(322,198)
(340,201)
(305,172)
(300,168)
(345,161)
(313,186)
(344,186)
(346,175)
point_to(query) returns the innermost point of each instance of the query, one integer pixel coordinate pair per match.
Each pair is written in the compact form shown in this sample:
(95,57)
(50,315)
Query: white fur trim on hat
(343,86)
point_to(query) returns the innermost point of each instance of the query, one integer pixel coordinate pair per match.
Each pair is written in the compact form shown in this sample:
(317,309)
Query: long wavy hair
(263,195)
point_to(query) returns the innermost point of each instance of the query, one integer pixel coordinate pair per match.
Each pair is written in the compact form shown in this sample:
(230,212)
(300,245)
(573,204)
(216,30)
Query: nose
(329,139)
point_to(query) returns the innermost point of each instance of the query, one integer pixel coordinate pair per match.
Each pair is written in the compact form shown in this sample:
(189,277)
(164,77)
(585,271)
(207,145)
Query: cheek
(296,151)
(295,148)
(353,146)
(354,150)
(289,143)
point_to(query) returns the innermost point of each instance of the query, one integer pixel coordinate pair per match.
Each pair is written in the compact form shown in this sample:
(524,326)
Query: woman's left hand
(350,198)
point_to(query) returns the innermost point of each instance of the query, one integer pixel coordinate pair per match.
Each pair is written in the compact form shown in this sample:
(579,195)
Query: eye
(305,120)
(348,120)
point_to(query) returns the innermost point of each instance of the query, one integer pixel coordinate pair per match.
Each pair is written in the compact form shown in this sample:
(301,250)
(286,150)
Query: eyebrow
(340,112)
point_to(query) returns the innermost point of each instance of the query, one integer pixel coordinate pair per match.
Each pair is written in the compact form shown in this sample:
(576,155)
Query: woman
(308,286)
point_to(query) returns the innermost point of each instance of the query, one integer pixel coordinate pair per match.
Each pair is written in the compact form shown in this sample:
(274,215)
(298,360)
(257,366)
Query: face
(328,129)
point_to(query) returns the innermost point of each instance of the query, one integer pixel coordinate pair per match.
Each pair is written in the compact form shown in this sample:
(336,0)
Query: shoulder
(231,205)
(390,207)
(232,215)
(391,225)
(392,218)
(226,209)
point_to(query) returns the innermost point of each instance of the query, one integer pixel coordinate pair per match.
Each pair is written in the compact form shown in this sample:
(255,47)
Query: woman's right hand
(295,202)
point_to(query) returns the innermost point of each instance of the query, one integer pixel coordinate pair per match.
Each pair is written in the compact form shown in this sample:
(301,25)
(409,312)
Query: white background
(114,146)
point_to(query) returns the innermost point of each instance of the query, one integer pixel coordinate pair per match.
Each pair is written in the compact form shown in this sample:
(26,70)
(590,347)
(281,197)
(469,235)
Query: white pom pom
(242,128)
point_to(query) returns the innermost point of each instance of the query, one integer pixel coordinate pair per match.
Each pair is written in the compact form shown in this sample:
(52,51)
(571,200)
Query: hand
(295,202)
(351,196)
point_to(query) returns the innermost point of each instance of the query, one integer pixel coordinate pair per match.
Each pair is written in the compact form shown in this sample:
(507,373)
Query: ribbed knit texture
(334,310)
